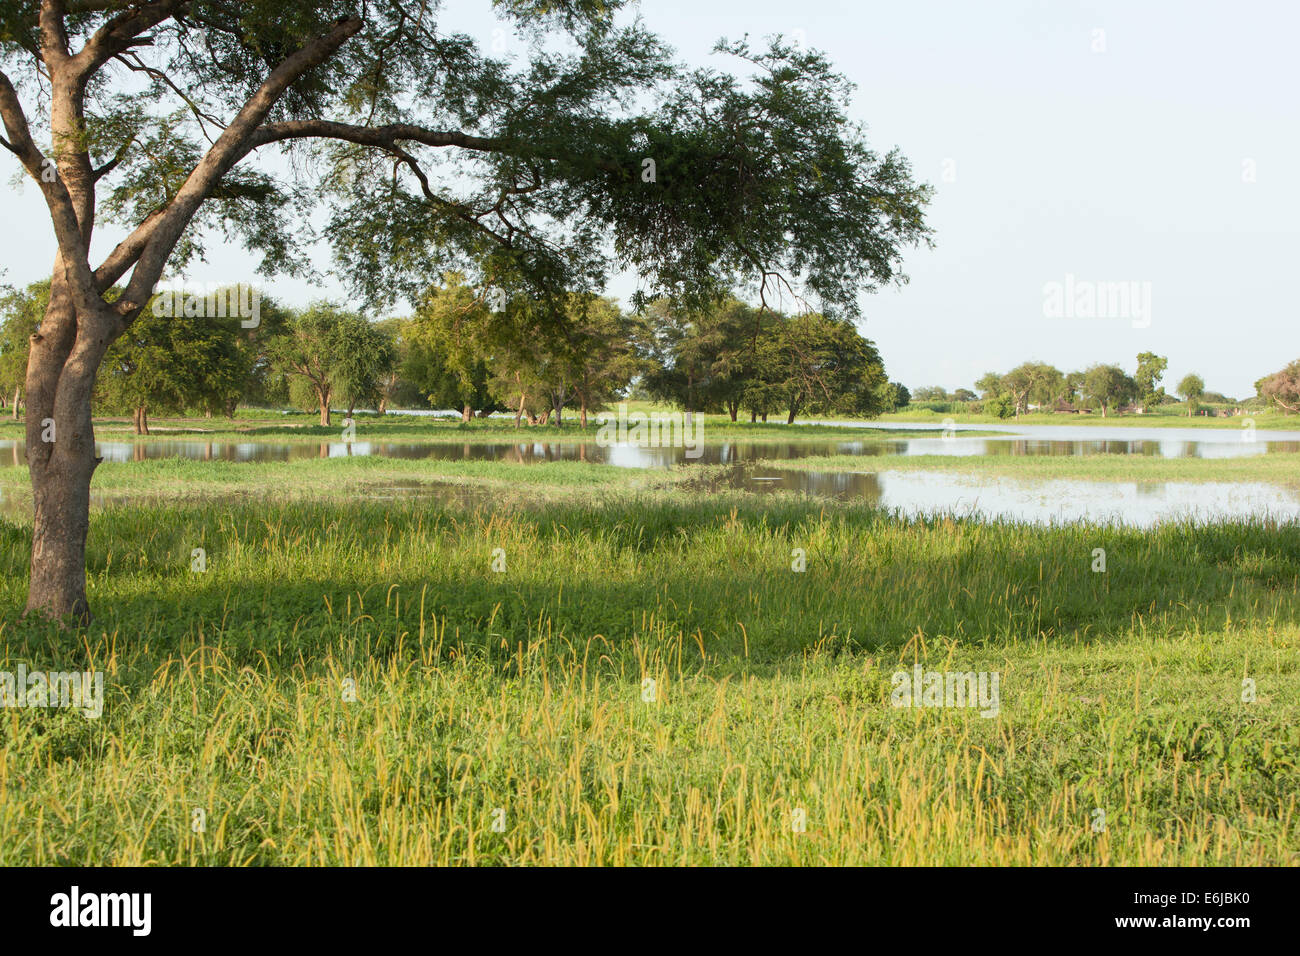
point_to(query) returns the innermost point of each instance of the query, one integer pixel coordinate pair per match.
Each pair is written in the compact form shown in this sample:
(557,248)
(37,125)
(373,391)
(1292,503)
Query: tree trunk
(383,405)
(61,456)
(734,408)
(753,416)
(584,414)
(142,420)
(323,398)
(466,414)
(17,398)
(521,412)
(765,418)
(793,411)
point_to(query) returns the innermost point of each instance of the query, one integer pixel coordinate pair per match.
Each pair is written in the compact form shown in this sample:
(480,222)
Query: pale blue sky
(1122,165)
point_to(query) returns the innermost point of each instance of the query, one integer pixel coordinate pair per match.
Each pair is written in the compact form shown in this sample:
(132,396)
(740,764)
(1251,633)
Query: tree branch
(229,148)
(67,227)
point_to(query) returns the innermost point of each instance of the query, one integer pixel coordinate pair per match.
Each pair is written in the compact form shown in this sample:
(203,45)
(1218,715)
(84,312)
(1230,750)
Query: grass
(524,691)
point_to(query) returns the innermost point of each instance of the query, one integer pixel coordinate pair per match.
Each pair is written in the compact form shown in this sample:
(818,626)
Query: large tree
(450,340)
(1191,388)
(824,366)
(170,363)
(1107,387)
(1150,369)
(1282,388)
(332,354)
(555,167)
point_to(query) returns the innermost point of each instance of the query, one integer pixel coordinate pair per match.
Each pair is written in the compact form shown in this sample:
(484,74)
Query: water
(1137,503)
(1063,440)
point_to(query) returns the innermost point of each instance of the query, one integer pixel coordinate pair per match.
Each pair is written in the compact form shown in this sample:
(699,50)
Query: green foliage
(1150,369)
(450,340)
(20,315)
(335,354)
(1191,388)
(167,363)
(1107,387)
(1282,388)
(1002,406)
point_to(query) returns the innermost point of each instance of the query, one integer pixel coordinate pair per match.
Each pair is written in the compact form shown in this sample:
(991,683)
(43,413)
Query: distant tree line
(1109,389)
(459,349)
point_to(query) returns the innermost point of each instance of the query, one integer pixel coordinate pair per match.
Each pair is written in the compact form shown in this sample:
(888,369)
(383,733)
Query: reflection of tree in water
(1150,489)
(843,484)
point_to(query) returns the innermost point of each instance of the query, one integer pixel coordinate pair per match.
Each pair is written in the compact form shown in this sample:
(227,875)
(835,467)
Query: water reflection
(727,452)
(1135,503)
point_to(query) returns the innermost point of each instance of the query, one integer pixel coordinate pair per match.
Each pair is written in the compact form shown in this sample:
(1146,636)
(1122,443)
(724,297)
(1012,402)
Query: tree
(154,109)
(363,357)
(893,396)
(1035,382)
(704,359)
(1150,369)
(964,395)
(1191,388)
(1107,386)
(451,335)
(394,387)
(21,312)
(1073,387)
(930,393)
(1000,406)
(825,366)
(599,343)
(316,348)
(989,385)
(171,362)
(1282,388)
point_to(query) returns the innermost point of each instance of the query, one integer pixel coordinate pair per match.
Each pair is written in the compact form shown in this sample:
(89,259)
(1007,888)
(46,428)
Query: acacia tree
(1282,388)
(823,365)
(450,336)
(558,166)
(174,362)
(1191,388)
(332,353)
(1108,386)
(364,355)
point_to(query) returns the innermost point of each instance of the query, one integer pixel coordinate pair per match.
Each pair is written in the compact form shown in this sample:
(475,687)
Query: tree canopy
(537,175)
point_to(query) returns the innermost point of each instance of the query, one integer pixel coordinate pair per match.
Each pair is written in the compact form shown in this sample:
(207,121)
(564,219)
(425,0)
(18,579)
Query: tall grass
(525,691)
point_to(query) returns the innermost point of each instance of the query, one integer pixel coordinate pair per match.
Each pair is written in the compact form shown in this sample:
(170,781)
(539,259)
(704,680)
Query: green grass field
(350,681)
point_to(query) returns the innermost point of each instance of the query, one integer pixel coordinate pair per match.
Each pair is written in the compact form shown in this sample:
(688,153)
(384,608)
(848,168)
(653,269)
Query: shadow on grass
(698,580)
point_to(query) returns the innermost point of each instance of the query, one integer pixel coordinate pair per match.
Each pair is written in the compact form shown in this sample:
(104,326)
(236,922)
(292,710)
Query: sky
(1145,152)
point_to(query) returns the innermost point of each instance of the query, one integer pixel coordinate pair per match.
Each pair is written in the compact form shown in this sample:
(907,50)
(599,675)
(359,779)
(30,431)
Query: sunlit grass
(524,690)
